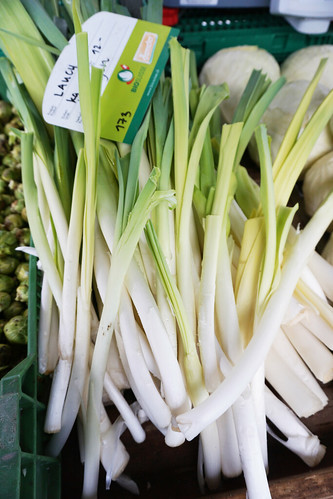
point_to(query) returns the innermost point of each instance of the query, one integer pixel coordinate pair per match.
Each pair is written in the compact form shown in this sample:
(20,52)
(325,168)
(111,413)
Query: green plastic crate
(25,470)
(209,30)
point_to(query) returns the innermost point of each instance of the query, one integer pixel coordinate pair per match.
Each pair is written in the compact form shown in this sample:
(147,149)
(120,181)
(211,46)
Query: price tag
(132,54)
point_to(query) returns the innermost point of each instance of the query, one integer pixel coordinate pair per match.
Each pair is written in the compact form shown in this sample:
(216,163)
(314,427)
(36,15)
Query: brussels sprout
(6,111)
(7,283)
(19,194)
(22,272)
(22,292)
(6,212)
(5,300)
(16,330)
(10,356)
(23,236)
(8,242)
(13,221)
(11,162)
(12,185)
(2,148)
(5,356)
(3,144)
(6,199)
(15,308)
(8,264)
(12,172)
(16,152)
(13,123)
(3,186)
(17,206)
(24,214)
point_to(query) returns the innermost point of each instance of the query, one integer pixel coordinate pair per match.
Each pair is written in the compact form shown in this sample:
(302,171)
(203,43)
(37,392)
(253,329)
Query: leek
(194,314)
(193,422)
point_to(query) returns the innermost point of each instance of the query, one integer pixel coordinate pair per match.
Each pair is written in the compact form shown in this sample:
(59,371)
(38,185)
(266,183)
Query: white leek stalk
(192,422)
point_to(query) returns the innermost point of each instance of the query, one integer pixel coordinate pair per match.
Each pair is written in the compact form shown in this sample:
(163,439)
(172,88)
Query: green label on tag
(132,53)
(132,84)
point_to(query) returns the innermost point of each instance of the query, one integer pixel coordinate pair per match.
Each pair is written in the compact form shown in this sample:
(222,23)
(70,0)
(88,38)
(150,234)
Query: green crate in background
(25,470)
(206,31)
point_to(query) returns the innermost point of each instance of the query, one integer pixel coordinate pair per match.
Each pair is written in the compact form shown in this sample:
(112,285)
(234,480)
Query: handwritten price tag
(132,54)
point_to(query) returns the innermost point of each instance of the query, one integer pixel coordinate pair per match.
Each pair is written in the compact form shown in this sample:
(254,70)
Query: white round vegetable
(280,113)
(302,64)
(318,183)
(234,66)
(327,252)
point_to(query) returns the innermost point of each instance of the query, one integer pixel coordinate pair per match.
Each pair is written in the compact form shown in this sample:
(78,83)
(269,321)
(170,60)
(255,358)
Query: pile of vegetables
(297,69)
(169,271)
(14,233)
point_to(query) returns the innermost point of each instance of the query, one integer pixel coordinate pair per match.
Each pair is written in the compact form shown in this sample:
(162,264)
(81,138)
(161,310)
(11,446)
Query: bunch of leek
(168,271)
(229,309)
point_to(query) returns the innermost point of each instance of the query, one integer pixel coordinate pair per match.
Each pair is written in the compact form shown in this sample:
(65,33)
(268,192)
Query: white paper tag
(132,53)
(61,99)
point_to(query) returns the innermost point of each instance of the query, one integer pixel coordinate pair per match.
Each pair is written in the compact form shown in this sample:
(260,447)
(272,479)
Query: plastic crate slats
(26,476)
(21,379)
(206,33)
(9,424)
(25,470)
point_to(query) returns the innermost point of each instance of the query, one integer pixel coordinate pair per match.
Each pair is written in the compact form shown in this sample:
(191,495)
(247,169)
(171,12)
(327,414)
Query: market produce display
(301,63)
(14,233)
(167,269)
(234,65)
(297,69)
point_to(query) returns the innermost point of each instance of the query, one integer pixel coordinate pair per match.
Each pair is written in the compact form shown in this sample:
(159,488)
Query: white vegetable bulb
(280,113)
(302,64)
(327,252)
(318,183)
(234,65)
